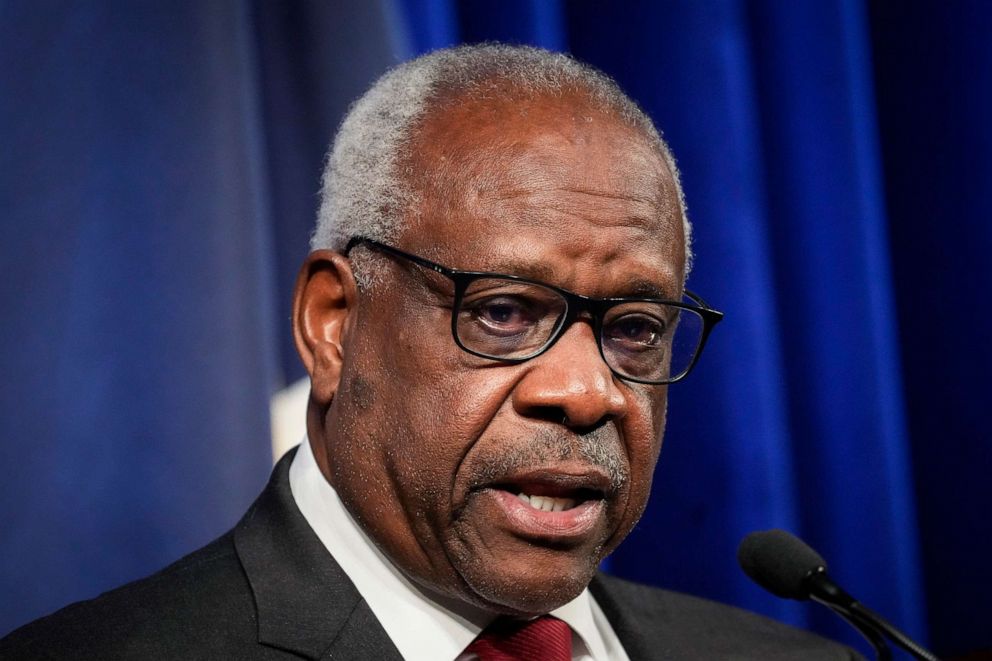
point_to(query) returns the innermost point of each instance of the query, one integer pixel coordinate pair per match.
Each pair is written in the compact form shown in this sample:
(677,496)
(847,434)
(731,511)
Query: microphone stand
(864,627)
(869,624)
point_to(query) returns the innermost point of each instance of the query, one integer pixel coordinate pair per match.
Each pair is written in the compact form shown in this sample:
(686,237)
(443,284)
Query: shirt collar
(420,627)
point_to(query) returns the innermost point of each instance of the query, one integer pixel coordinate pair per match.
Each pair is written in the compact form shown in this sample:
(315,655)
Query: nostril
(553,414)
(559,416)
(582,430)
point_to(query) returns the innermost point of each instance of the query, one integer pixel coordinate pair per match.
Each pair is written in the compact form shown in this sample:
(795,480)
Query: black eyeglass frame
(575,306)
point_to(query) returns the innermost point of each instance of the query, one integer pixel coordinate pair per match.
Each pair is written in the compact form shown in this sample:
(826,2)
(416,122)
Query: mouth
(551,505)
(552,497)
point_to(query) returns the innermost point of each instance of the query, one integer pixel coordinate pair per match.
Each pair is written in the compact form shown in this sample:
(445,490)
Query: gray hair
(364,192)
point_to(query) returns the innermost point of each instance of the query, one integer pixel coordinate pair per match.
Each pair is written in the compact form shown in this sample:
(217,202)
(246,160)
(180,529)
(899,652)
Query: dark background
(159,170)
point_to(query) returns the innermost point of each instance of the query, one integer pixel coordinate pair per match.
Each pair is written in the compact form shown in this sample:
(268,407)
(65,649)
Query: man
(491,316)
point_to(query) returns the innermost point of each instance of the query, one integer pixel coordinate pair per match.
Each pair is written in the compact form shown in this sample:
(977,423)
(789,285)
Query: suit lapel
(305,603)
(639,639)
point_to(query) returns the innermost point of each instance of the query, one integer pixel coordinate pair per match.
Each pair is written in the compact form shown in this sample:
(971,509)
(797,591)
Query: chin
(531,583)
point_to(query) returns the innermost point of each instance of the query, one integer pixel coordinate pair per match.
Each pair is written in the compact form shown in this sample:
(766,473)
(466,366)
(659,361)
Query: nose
(570,384)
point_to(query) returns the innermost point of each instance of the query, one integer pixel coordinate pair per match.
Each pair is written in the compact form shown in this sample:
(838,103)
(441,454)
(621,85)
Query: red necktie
(545,638)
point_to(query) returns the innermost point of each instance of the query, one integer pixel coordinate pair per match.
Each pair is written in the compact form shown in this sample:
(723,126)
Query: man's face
(430,447)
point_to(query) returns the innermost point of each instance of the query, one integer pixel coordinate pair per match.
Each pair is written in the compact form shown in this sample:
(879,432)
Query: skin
(419,437)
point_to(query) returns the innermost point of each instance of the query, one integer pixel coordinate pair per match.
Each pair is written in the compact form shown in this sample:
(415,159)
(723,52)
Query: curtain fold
(138,335)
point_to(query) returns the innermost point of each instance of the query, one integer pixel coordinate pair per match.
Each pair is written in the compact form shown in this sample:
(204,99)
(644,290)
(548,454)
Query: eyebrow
(647,289)
(533,270)
(637,288)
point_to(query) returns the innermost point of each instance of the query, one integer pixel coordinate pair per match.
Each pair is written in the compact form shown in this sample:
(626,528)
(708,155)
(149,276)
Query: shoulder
(201,602)
(660,624)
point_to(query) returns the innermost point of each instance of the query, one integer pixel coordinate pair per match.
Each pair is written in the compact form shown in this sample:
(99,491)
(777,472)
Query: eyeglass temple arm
(419,261)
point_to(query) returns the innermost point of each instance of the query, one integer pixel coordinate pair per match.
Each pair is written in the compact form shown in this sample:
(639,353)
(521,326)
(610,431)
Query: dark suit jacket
(270,590)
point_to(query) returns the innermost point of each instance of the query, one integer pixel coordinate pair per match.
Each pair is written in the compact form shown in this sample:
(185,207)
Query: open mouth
(550,499)
(551,505)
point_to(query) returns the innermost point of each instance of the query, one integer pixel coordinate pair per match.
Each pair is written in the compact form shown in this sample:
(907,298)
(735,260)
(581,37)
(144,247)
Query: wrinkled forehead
(463,137)
(488,170)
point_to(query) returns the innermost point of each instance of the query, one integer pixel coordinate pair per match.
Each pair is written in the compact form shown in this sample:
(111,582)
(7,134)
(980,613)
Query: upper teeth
(547,503)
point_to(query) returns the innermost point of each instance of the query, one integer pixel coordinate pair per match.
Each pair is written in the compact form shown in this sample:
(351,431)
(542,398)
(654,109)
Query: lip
(589,484)
(568,526)
(562,477)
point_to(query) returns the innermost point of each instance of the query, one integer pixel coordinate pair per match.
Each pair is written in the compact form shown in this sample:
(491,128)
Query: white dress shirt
(421,628)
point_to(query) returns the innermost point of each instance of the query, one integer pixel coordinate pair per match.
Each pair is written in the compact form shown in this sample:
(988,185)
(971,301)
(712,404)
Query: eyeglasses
(512,319)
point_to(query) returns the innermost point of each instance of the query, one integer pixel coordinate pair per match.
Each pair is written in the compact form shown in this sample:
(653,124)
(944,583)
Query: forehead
(549,187)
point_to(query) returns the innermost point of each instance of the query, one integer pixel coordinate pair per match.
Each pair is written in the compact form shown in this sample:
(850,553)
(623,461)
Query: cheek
(644,424)
(443,392)
(445,415)
(643,430)
(657,401)
(425,403)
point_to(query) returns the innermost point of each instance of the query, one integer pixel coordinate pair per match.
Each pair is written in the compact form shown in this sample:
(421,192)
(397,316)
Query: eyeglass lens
(507,319)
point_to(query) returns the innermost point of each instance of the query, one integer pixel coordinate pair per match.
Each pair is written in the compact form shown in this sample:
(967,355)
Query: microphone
(785,566)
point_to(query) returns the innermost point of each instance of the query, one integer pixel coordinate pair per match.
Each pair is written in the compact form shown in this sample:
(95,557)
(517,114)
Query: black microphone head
(779,562)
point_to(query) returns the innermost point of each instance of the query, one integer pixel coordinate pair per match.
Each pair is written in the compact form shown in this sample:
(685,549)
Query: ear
(323,302)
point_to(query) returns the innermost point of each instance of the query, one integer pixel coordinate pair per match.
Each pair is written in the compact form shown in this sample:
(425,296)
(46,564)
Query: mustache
(600,447)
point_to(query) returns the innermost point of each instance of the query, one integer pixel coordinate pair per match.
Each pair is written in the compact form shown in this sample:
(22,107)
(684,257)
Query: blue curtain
(158,177)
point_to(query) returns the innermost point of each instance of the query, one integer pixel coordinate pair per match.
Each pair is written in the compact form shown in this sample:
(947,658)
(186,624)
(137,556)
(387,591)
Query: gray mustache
(599,447)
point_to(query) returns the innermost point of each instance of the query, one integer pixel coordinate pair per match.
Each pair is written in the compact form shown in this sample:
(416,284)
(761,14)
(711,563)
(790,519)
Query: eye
(635,331)
(505,315)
